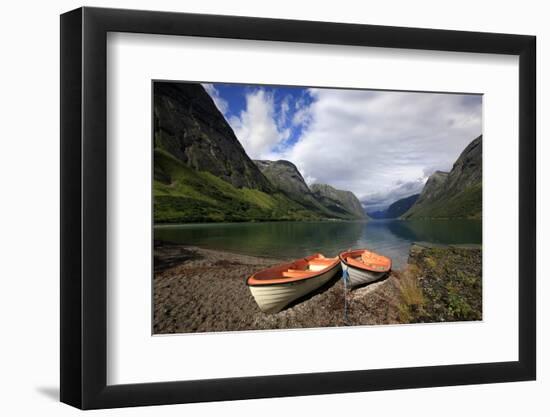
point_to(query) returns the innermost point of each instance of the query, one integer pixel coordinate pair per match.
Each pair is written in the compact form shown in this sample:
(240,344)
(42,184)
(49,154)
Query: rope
(345,277)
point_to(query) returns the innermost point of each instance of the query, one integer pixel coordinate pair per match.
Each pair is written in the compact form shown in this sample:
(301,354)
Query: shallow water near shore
(291,240)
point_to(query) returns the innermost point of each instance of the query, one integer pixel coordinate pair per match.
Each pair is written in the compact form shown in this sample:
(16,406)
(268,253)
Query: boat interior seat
(295,273)
(371,257)
(370,264)
(321,261)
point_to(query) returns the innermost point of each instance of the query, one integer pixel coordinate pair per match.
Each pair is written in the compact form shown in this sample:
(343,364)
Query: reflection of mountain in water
(438,231)
(394,237)
(291,240)
(278,239)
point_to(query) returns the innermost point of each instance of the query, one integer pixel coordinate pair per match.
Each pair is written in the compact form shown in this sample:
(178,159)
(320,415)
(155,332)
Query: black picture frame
(84,207)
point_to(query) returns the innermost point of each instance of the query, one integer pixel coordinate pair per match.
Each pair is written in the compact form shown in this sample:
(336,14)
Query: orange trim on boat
(366,259)
(298,270)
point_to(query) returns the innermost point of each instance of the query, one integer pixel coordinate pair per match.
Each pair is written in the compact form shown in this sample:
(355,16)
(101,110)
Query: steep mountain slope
(344,203)
(430,193)
(401,206)
(396,209)
(201,171)
(286,178)
(189,126)
(200,196)
(457,194)
(467,170)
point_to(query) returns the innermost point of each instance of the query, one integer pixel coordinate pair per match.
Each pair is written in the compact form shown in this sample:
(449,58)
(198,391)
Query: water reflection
(394,237)
(292,240)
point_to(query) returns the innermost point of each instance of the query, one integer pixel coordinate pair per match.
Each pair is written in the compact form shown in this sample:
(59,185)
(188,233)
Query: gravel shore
(203,290)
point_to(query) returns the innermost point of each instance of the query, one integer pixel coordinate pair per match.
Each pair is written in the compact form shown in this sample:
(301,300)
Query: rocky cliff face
(431,191)
(321,198)
(286,178)
(457,194)
(467,170)
(338,201)
(189,126)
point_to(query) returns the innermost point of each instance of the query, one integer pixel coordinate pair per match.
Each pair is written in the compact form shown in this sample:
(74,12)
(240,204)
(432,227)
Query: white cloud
(302,114)
(285,108)
(221,104)
(382,145)
(373,142)
(301,117)
(256,127)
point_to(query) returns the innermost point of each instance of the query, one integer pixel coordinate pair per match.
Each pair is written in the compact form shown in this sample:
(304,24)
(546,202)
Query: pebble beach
(204,290)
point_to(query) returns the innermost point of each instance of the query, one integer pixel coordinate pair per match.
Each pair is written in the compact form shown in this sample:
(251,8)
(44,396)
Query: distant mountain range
(396,209)
(320,198)
(446,195)
(457,194)
(342,202)
(202,172)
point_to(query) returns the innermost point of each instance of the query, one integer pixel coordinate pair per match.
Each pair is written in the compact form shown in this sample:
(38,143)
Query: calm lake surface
(291,240)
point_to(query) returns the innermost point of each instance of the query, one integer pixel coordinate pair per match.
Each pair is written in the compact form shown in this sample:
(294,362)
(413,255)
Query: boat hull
(358,276)
(274,297)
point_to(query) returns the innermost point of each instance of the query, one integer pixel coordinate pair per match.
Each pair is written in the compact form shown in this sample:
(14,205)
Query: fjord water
(291,240)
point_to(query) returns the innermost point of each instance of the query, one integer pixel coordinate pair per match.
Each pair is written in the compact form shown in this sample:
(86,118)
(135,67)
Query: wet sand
(204,290)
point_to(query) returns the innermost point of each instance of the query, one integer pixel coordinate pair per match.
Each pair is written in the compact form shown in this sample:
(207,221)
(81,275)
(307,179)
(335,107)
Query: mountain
(401,206)
(457,194)
(467,170)
(189,126)
(379,214)
(286,177)
(431,191)
(200,196)
(203,174)
(396,209)
(201,171)
(344,203)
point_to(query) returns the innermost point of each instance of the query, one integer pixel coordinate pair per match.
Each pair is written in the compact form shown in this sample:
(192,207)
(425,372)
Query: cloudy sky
(382,145)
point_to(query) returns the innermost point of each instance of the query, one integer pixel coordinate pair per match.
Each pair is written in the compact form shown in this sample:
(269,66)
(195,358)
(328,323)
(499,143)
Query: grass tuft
(410,293)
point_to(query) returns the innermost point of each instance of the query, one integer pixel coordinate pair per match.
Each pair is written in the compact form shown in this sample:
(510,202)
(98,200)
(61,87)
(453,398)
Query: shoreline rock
(450,280)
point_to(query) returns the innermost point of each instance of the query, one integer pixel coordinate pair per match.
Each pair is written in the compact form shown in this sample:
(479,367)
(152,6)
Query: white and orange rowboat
(363,266)
(276,287)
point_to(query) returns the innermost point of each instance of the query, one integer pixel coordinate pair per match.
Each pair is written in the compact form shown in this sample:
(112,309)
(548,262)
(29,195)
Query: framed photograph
(257,208)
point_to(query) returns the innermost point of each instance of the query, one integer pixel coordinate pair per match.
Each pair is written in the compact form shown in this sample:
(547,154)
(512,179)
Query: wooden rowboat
(276,287)
(363,266)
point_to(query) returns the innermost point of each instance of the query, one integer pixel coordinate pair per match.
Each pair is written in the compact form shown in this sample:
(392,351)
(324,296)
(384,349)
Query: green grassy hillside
(182,194)
(465,204)
(453,195)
